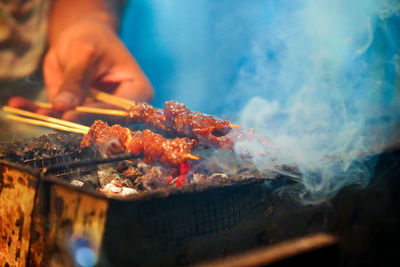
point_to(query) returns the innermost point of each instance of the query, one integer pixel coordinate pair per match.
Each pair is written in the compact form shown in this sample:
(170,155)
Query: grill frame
(166,221)
(59,213)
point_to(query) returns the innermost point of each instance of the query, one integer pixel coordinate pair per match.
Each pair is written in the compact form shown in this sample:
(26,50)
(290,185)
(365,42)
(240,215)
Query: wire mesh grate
(197,215)
(44,162)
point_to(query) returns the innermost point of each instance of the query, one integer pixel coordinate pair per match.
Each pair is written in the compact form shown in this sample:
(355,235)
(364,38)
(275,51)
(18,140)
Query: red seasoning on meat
(197,125)
(180,120)
(117,139)
(149,115)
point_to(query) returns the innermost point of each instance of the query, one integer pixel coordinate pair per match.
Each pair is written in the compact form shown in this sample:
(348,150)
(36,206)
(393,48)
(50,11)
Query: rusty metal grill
(73,164)
(199,215)
(64,159)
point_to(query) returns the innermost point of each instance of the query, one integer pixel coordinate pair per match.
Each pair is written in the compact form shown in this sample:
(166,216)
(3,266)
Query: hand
(89,54)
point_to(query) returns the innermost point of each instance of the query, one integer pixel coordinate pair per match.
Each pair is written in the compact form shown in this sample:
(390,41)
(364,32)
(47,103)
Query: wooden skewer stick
(190,156)
(43,105)
(113,100)
(45,124)
(115,112)
(45,118)
(86,109)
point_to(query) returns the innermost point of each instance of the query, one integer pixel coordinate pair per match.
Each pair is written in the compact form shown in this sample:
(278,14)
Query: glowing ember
(184,168)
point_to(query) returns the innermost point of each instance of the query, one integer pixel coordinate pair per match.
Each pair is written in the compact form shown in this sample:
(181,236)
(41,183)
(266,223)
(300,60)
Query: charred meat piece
(180,120)
(149,115)
(197,125)
(117,139)
(185,121)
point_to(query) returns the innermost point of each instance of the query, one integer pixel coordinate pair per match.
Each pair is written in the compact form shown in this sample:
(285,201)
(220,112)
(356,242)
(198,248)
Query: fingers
(140,91)
(80,70)
(53,75)
(25,104)
(127,81)
(22,103)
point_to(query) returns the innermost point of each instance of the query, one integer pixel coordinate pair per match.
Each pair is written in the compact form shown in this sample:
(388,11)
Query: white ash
(198,177)
(118,188)
(215,176)
(126,178)
(77,183)
(144,167)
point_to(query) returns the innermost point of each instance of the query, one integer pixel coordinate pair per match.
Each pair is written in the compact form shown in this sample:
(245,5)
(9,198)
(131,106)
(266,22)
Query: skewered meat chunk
(117,139)
(149,115)
(180,120)
(185,121)
(198,125)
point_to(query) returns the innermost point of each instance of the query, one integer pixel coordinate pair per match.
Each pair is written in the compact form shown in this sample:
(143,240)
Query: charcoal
(45,146)
(90,181)
(152,179)
(132,173)
(106,174)
(131,176)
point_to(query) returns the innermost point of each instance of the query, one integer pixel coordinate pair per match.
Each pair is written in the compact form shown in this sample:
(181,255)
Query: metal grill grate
(58,160)
(186,216)
(74,164)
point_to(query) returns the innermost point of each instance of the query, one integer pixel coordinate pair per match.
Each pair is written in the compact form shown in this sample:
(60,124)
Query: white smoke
(323,80)
(316,77)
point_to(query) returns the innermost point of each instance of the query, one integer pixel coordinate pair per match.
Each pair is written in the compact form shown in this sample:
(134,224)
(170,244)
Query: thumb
(80,68)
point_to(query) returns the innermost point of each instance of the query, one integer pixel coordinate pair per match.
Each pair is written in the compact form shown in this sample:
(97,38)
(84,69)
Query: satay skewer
(175,118)
(114,112)
(81,129)
(121,102)
(104,111)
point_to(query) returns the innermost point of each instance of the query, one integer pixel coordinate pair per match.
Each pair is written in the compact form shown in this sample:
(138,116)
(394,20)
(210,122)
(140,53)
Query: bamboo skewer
(87,109)
(190,156)
(112,99)
(81,130)
(45,118)
(43,105)
(45,124)
(109,99)
(115,112)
